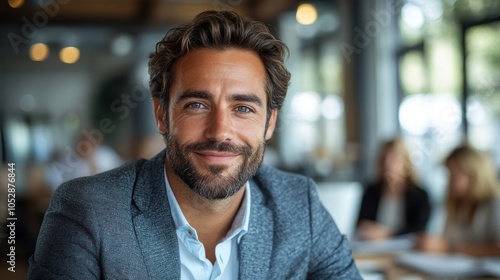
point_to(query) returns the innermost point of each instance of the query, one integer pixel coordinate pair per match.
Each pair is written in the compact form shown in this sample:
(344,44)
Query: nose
(219,126)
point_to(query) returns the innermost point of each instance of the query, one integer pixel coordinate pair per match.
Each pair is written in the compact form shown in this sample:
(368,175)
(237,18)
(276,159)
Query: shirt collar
(240,223)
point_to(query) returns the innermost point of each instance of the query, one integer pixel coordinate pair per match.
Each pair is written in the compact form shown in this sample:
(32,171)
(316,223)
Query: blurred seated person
(393,204)
(472,206)
(87,157)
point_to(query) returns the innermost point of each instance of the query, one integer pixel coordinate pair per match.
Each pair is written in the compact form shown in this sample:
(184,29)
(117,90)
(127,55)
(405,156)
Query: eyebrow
(248,97)
(193,94)
(243,97)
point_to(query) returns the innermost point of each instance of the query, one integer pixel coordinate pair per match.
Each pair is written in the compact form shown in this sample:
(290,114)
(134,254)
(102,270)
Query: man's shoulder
(282,186)
(112,183)
(274,178)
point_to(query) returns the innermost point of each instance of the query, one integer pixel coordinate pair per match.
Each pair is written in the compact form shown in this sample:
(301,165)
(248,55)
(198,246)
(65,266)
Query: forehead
(214,57)
(452,164)
(229,69)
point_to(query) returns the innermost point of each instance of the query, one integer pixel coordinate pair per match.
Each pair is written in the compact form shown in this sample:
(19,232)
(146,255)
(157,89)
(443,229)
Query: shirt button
(190,232)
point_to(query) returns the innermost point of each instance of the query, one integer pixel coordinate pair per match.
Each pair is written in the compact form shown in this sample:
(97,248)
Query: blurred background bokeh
(74,97)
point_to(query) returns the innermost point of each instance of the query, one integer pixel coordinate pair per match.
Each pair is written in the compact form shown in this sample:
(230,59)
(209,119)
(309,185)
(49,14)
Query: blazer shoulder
(272,177)
(283,186)
(109,184)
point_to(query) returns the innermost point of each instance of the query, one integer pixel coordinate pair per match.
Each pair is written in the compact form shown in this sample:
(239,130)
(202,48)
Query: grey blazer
(117,225)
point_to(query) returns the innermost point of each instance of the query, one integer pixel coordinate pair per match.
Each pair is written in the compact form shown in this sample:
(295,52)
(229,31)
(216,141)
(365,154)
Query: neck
(212,219)
(394,187)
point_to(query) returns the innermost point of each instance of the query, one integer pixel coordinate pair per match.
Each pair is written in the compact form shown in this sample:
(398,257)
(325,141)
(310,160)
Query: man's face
(216,127)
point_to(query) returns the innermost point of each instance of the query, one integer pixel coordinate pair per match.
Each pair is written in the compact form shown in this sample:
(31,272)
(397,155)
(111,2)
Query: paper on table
(372,276)
(450,265)
(491,265)
(369,266)
(396,244)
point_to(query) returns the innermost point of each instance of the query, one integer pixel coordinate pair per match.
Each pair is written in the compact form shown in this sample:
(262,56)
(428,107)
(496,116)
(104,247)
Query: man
(204,208)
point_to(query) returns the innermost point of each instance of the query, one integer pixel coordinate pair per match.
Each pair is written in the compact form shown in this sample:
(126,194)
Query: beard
(219,181)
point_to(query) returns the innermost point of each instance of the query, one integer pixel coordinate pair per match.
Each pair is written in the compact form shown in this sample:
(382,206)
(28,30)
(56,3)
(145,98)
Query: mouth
(216,157)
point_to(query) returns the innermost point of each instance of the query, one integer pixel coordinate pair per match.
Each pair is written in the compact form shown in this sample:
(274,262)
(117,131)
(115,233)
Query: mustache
(219,147)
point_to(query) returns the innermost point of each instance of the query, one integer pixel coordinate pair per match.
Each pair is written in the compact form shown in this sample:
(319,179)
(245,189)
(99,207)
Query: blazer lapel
(257,244)
(154,226)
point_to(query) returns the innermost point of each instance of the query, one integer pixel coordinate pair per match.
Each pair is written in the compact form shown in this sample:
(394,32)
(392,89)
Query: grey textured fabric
(117,225)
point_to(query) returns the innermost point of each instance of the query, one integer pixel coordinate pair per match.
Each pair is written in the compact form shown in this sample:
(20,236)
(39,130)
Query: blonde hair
(398,146)
(482,179)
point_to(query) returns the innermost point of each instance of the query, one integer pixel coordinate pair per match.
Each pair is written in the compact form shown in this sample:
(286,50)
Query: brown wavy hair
(220,30)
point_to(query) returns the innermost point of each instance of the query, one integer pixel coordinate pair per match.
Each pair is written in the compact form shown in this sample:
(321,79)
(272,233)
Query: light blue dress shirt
(194,264)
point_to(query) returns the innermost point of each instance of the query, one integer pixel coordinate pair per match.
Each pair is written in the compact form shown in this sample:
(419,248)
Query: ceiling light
(16,3)
(306,14)
(39,52)
(69,55)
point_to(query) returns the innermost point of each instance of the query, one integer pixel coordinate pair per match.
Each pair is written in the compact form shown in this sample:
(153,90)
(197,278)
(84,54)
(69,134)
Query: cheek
(459,184)
(187,130)
(251,130)
(463,183)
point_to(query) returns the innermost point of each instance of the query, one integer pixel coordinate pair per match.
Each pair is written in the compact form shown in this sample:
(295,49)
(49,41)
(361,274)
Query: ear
(271,124)
(158,109)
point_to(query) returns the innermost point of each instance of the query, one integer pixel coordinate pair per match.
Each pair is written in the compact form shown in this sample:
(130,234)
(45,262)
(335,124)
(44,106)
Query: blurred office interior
(74,97)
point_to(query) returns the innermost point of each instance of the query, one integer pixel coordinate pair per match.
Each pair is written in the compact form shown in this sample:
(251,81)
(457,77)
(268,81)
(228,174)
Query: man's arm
(67,246)
(331,256)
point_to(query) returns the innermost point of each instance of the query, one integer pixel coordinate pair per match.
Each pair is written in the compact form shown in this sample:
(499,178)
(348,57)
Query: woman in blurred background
(472,205)
(394,204)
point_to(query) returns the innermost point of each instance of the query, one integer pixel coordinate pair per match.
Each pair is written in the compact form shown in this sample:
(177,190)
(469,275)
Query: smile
(216,157)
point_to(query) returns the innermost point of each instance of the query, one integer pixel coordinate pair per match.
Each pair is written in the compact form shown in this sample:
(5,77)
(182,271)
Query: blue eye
(194,106)
(243,109)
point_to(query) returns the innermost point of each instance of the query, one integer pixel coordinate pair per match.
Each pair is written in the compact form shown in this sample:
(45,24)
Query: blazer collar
(256,245)
(153,223)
